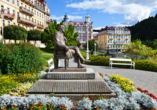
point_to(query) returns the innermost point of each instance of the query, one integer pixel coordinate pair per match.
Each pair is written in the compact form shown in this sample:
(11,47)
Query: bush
(20,58)
(139,64)
(146,65)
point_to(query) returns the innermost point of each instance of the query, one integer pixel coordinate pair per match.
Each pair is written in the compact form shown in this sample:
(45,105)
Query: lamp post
(4,12)
(95,48)
(87,21)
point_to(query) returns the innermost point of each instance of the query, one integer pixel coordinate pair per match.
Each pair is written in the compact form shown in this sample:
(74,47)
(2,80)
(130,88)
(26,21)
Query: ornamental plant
(20,58)
(125,83)
(35,102)
(13,84)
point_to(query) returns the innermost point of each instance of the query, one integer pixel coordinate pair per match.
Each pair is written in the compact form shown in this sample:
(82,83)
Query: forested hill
(145,30)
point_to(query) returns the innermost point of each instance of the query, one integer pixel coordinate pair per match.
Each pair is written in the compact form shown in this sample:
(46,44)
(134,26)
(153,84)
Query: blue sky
(103,12)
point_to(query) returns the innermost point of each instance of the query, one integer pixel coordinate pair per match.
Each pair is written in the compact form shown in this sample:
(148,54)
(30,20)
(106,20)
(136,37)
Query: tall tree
(15,32)
(47,35)
(34,35)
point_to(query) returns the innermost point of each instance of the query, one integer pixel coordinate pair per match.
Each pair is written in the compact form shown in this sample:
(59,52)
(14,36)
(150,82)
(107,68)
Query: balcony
(39,7)
(48,21)
(110,38)
(25,10)
(26,21)
(40,26)
(8,15)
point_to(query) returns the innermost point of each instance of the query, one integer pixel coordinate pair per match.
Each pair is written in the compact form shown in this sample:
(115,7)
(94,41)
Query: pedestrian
(91,51)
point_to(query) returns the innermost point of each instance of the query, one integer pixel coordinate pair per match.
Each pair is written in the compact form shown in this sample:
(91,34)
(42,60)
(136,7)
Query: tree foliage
(34,35)
(138,49)
(15,32)
(91,45)
(47,35)
(145,31)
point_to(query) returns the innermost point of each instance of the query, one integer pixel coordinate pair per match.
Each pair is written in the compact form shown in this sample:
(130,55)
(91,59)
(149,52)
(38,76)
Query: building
(30,14)
(81,28)
(113,37)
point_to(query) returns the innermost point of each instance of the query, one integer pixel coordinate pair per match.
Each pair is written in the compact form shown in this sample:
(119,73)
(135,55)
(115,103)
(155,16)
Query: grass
(45,58)
(98,52)
(46,51)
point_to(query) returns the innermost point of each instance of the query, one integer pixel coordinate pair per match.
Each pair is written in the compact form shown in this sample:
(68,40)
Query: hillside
(145,30)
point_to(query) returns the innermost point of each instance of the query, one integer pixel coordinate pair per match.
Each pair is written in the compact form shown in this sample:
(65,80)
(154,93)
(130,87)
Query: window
(83,29)
(40,22)
(14,23)
(21,4)
(18,24)
(29,18)
(12,1)
(32,19)
(29,8)
(26,16)
(42,15)
(17,3)
(2,7)
(14,12)
(35,21)
(83,39)
(29,28)
(8,22)
(8,0)
(32,9)
(35,12)
(8,10)
(25,6)
(26,27)
(17,14)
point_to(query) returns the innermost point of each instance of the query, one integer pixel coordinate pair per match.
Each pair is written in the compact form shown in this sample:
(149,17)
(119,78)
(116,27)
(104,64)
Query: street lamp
(3,13)
(87,21)
(95,48)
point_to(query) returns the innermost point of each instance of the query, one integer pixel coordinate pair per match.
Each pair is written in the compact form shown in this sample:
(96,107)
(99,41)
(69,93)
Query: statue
(70,51)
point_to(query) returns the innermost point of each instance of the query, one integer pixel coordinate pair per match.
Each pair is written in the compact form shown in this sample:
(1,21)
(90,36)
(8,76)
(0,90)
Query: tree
(34,35)
(47,35)
(15,32)
(78,43)
(91,45)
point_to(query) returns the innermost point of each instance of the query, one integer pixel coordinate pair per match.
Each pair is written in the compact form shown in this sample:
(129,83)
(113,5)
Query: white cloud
(98,28)
(133,10)
(60,18)
(77,12)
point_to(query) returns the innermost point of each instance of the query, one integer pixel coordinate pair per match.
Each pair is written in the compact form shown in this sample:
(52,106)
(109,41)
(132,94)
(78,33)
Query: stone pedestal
(72,84)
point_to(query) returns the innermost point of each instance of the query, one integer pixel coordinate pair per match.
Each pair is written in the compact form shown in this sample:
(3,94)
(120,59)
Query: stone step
(89,74)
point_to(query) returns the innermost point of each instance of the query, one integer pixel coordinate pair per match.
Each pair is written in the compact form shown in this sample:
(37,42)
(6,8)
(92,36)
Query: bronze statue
(70,51)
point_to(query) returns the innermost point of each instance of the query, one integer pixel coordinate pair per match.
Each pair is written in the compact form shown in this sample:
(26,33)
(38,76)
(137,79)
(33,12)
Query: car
(113,51)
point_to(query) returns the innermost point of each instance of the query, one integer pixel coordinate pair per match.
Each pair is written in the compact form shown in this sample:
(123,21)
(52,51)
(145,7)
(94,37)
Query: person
(71,51)
(91,51)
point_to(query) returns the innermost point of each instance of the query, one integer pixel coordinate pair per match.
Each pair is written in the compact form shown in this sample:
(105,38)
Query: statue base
(72,84)
(69,69)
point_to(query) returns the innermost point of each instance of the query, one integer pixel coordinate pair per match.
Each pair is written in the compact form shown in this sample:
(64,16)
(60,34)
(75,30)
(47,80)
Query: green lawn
(97,52)
(46,51)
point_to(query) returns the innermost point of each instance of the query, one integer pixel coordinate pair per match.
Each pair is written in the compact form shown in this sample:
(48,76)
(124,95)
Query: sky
(103,12)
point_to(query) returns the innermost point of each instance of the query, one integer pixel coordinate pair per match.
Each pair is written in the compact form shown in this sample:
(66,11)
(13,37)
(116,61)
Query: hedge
(20,58)
(139,64)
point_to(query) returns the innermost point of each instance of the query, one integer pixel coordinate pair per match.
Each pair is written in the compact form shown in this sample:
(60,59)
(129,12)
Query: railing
(27,21)
(8,15)
(48,21)
(40,26)
(29,1)
(26,10)
(39,7)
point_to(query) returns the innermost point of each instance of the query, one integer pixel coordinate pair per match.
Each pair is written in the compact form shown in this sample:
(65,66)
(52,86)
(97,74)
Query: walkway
(144,79)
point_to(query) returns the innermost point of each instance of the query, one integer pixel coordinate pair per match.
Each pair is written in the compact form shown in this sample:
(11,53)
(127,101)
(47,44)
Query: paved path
(144,79)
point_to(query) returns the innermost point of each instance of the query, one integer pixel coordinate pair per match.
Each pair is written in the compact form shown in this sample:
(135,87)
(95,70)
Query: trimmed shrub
(146,65)
(20,58)
(139,64)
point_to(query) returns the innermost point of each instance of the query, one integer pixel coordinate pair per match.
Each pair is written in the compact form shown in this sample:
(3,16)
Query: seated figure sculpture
(70,51)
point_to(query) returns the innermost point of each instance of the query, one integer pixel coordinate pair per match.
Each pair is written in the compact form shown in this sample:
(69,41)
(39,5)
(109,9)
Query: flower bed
(14,83)
(135,100)
(34,102)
